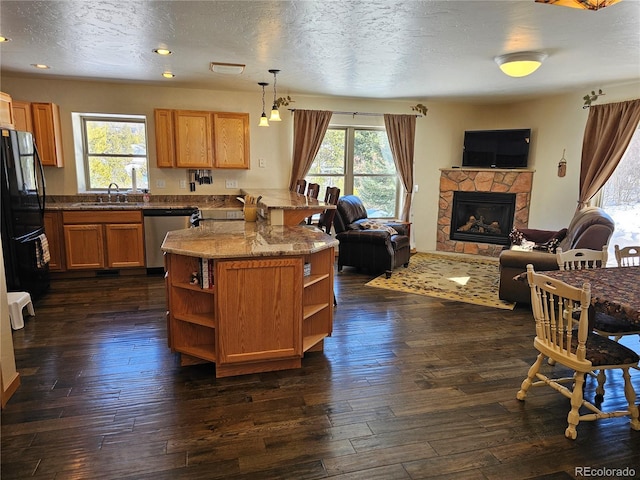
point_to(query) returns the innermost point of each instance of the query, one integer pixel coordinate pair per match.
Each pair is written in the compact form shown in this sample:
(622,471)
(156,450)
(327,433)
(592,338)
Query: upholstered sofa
(367,244)
(590,228)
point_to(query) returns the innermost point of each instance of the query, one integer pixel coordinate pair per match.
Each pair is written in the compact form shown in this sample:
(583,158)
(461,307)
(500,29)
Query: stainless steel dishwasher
(157,222)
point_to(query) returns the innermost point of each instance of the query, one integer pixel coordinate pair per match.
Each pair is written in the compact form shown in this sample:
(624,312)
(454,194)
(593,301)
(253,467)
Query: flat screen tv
(496,148)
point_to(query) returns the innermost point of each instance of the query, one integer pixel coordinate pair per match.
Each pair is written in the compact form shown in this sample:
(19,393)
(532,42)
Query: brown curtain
(401,130)
(309,127)
(606,137)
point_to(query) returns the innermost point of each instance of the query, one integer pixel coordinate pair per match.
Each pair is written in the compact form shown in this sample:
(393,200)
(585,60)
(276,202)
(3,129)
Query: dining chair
(301,184)
(580,258)
(313,189)
(576,348)
(331,196)
(627,256)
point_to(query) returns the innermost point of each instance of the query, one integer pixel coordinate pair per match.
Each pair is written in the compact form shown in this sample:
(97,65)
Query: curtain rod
(365,114)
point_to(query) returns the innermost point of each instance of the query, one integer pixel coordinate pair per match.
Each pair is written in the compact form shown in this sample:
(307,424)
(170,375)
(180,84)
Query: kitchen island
(248,296)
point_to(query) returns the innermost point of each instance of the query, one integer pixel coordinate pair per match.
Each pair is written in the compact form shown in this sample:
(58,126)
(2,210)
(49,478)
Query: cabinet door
(22,116)
(193,139)
(46,130)
(259,309)
(84,246)
(125,245)
(231,140)
(165,144)
(6,111)
(53,230)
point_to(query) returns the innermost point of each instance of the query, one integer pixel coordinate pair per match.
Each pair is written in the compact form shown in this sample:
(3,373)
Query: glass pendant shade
(275,114)
(264,122)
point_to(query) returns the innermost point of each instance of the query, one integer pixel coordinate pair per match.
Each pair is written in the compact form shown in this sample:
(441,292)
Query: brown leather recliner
(370,249)
(590,228)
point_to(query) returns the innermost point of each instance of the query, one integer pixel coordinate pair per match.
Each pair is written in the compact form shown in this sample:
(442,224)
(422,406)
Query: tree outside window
(113,147)
(359,162)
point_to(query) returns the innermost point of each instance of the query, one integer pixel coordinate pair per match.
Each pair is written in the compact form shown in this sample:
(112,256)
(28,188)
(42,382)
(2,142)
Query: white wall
(557,123)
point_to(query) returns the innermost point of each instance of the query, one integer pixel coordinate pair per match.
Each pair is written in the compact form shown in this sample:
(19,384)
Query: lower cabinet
(98,240)
(55,238)
(257,315)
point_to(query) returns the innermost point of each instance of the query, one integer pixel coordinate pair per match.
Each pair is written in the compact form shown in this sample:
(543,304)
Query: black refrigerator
(24,244)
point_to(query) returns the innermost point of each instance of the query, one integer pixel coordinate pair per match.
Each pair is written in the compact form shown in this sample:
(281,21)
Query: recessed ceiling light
(41,66)
(4,39)
(162,51)
(168,75)
(228,68)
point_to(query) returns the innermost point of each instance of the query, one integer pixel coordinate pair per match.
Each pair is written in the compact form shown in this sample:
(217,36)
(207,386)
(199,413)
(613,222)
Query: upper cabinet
(165,143)
(46,130)
(6,111)
(201,139)
(193,139)
(22,116)
(231,140)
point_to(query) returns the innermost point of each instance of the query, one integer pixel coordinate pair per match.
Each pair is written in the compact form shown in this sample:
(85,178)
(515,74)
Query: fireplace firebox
(483,217)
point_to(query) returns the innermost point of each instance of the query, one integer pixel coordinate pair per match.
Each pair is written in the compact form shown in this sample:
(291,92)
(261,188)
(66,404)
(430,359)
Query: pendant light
(264,122)
(275,114)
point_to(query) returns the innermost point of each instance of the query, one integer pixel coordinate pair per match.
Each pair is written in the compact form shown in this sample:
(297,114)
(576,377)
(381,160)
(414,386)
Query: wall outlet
(160,184)
(235,214)
(416,189)
(183,184)
(262,163)
(231,183)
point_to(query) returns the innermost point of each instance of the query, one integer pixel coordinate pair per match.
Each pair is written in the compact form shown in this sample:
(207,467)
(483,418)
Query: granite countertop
(235,239)
(284,199)
(135,202)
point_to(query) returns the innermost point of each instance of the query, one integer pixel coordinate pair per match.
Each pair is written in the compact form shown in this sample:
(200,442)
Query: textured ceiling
(372,49)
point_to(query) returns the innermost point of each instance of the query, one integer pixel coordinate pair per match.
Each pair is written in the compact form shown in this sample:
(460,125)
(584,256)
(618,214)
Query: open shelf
(310,310)
(204,351)
(195,318)
(311,279)
(310,340)
(195,288)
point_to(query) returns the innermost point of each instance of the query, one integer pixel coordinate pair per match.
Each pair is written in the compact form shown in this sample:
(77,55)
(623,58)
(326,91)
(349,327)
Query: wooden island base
(260,313)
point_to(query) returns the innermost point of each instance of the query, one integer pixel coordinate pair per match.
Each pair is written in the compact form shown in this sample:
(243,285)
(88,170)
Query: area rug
(463,278)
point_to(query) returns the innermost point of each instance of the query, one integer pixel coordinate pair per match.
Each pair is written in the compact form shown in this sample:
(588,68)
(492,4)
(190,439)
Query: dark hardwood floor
(408,387)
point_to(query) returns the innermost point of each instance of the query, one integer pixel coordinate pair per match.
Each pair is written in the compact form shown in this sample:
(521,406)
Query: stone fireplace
(487,232)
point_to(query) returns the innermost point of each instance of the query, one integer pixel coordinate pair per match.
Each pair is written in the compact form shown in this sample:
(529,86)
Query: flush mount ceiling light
(168,75)
(41,66)
(162,51)
(264,122)
(583,4)
(520,64)
(275,114)
(227,68)
(4,39)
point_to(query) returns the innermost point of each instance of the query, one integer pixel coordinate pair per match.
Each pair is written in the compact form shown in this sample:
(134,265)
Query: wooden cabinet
(96,240)
(260,315)
(55,237)
(6,111)
(46,131)
(165,143)
(193,139)
(231,140)
(201,139)
(22,116)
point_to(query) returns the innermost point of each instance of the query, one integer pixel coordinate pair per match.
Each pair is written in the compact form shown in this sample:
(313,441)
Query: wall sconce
(520,64)
(275,114)
(264,122)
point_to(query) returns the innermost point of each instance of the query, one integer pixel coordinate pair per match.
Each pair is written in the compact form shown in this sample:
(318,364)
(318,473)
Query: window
(112,146)
(359,162)
(620,198)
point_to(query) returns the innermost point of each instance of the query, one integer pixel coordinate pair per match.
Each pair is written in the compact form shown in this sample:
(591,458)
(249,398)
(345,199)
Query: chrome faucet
(109,191)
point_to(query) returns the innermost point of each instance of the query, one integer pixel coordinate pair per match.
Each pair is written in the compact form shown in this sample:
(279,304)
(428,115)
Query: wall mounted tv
(496,148)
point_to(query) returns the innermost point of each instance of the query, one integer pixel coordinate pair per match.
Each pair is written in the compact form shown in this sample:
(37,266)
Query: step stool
(17,301)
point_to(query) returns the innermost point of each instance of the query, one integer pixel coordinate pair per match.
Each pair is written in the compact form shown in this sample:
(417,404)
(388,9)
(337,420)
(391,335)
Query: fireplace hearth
(482,217)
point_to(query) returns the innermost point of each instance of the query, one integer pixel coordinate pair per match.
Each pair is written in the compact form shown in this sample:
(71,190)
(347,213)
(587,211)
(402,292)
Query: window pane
(378,194)
(104,170)
(330,157)
(116,138)
(326,181)
(371,153)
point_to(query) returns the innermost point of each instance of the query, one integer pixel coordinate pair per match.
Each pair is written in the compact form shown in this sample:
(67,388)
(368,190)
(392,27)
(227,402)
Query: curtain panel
(401,131)
(309,128)
(606,137)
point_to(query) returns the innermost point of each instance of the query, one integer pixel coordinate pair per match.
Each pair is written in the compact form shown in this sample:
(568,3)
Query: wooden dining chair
(313,189)
(301,184)
(627,256)
(580,258)
(331,197)
(574,347)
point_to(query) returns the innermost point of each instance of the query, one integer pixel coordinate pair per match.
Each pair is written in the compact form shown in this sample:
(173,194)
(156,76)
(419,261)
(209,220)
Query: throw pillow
(516,237)
(373,225)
